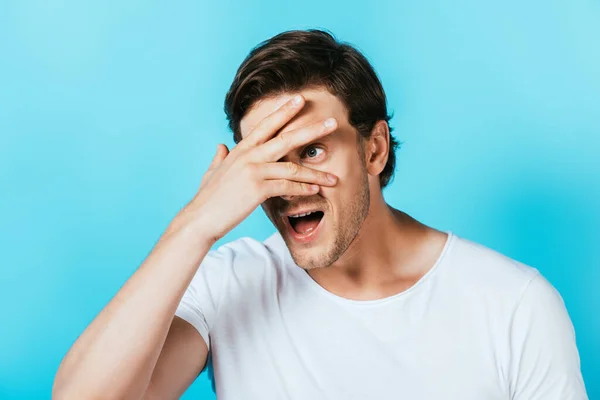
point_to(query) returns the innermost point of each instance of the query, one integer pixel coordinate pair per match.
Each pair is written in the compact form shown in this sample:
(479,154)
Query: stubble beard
(344,230)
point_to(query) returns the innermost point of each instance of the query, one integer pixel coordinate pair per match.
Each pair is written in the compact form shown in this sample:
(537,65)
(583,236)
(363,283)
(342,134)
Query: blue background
(110,112)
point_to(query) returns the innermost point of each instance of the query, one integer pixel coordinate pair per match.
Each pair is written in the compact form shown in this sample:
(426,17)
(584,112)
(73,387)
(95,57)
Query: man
(350,298)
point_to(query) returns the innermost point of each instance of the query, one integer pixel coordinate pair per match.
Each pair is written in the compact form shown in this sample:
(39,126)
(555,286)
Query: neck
(390,253)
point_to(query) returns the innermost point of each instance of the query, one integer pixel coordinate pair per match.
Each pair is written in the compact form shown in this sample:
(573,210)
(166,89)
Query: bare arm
(115,356)
(134,343)
(183,357)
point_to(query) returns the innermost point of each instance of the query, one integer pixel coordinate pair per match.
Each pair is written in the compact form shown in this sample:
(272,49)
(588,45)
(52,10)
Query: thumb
(220,155)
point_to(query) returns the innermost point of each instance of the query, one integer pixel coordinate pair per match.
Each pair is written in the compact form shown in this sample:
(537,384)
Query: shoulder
(247,258)
(528,318)
(502,290)
(485,279)
(482,266)
(253,251)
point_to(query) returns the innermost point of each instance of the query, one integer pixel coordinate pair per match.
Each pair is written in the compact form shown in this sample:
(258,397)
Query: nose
(288,198)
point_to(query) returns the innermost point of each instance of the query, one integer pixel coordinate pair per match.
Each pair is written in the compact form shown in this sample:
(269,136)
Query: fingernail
(314,188)
(330,122)
(331,178)
(297,100)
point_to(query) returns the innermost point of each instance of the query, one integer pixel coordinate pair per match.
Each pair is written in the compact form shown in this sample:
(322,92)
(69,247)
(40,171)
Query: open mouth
(304,224)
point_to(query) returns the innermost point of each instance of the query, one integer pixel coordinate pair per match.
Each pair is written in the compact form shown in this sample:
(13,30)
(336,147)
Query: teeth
(301,215)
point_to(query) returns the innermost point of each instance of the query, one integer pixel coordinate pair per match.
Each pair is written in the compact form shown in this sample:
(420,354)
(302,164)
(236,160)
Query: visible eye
(312,152)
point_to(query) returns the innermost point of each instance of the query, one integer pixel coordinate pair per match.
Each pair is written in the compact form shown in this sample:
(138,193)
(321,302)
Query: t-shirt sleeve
(200,302)
(544,358)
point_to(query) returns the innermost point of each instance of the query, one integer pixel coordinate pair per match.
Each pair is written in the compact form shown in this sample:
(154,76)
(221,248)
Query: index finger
(269,126)
(285,142)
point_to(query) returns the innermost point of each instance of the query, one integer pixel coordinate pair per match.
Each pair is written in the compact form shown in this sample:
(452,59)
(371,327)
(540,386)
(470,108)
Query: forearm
(115,356)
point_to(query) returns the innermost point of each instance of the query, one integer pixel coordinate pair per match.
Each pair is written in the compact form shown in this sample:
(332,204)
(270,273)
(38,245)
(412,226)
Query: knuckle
(283,138)
(293,168)
(284,184)
(258,186)
(264,191)
(323,176)
(296,188)
(316,176)
(262,126)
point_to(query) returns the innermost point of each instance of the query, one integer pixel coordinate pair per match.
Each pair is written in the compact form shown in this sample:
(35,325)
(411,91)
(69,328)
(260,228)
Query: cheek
(346,165)
(348,169)
(350,177)
(267,207)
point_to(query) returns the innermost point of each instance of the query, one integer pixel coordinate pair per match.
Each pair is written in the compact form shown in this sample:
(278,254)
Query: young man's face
(319,239)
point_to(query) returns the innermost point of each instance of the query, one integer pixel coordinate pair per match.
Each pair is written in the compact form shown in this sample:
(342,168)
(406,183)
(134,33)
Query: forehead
(319,104)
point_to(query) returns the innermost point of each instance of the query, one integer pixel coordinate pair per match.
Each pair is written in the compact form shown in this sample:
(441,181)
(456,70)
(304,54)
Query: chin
(305,255)
(309,259)
(319,254)
(311,234)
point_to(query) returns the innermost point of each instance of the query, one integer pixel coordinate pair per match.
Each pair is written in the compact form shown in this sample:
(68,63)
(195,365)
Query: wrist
(197,227)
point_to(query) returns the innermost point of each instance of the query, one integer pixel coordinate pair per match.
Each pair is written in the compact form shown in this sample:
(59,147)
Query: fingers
(220,155)
(269,126)
(284,187)
(222,152)
(295,172)
(282,144)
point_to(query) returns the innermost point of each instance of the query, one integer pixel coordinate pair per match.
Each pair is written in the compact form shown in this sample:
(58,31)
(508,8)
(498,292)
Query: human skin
(135,348)
(365,249)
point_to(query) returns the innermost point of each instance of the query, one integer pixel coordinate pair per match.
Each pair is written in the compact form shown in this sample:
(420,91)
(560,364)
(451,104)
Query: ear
(377,148)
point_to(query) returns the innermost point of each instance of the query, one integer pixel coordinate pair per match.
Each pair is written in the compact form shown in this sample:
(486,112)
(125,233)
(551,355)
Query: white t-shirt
(478,325)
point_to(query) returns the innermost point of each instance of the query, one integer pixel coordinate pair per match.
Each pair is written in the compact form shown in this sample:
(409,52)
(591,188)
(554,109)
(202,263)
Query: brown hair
(301,59)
